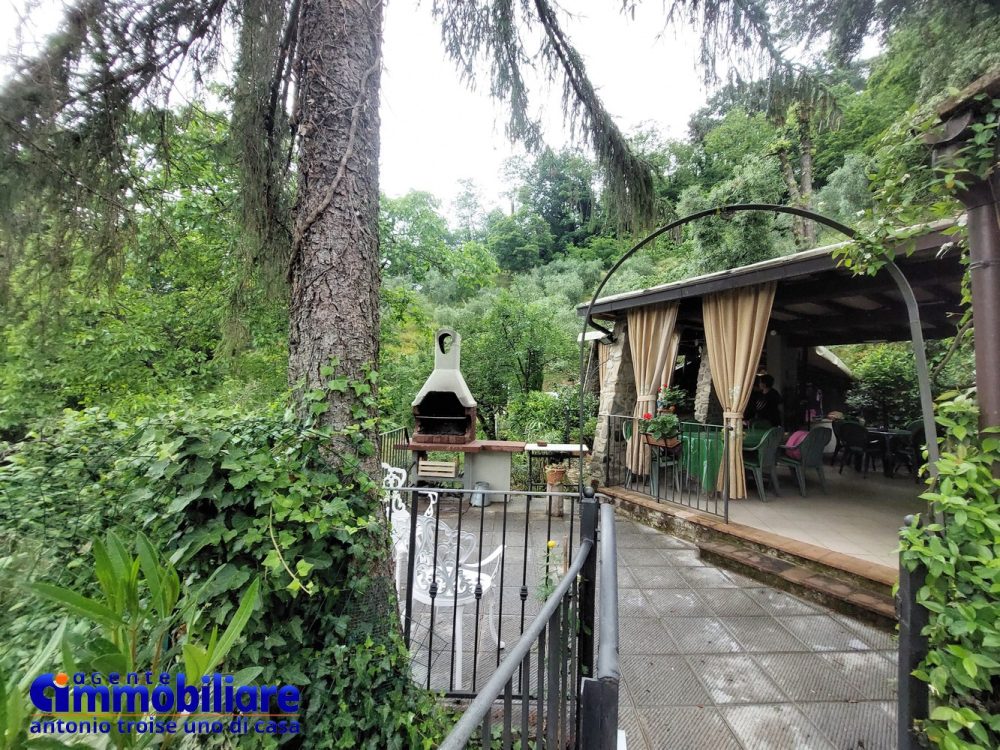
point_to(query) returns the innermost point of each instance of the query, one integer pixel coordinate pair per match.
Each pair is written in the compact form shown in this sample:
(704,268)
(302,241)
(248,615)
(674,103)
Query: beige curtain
(651,339)
(735,327)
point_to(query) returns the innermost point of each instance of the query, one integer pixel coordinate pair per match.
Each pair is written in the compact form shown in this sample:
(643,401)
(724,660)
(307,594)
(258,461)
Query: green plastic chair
(811,452)
(761,458)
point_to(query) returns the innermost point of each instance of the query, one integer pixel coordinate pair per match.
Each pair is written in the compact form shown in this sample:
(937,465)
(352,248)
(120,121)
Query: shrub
(239,497)
(886,387)
(553,417)
(960,550)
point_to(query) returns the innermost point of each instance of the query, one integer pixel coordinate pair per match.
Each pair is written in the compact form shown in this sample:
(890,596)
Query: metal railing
(599,694)
(566,707)
(484,562)
(392,448)
(689,470)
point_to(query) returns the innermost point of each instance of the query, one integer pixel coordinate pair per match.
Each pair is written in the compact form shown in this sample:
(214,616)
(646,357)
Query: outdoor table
(887,436)
(701,456)
(549,452)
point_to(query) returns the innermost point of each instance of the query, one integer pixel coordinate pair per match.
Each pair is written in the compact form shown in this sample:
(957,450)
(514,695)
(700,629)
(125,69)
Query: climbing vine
(958,542)
(230,498)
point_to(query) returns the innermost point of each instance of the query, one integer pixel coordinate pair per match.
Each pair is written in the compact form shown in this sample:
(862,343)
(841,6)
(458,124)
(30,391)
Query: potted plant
(670,398)
(555,473)
(662,430)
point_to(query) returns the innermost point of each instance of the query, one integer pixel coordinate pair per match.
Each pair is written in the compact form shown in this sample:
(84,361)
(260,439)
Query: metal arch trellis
(912,310)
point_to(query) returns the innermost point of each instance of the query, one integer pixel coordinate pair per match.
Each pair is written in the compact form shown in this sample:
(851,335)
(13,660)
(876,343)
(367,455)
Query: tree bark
(806,169)
(335,256)
(794,195)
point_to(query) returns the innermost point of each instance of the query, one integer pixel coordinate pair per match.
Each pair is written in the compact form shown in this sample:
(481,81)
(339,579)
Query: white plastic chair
(444,556)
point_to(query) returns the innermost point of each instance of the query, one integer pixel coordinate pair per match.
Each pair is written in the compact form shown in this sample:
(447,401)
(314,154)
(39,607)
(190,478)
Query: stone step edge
(695,525)
(877,609)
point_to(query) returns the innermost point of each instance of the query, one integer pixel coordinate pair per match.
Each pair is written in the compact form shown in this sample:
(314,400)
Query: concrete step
(862,603)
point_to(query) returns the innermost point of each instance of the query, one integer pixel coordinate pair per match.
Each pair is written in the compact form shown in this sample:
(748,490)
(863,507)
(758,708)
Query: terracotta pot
(662,443)
(555,476)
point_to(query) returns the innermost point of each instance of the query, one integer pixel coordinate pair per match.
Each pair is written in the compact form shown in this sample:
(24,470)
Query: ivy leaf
(303,568)
(183,500)
(970,666)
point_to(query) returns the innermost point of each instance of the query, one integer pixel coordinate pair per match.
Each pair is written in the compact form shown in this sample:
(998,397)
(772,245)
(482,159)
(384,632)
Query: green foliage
(232,497)
(511,344)
(165,321)
(413,236)
(553,417)
(959,549)
(728,241)
(725,147)
(144,621)
(519,242)
(559,187)
(846,195)
(661,426)
(885,390)
(16,710)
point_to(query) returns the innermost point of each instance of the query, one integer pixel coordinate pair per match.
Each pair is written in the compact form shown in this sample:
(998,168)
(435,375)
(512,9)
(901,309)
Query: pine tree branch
(629,177)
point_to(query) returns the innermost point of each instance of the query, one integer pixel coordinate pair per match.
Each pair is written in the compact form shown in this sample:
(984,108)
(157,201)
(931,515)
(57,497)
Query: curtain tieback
(732,415)
(643,399)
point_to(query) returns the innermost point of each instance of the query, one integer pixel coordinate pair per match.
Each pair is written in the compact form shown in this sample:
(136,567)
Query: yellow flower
(552,543)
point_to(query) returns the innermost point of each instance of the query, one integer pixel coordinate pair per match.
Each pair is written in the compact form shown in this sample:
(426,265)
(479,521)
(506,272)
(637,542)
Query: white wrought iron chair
(399,516)
(444,563)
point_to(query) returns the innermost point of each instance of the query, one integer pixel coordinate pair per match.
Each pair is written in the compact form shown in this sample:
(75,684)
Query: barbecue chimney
(444,410)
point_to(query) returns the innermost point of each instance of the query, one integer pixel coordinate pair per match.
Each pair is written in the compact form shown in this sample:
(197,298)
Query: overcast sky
(435,131)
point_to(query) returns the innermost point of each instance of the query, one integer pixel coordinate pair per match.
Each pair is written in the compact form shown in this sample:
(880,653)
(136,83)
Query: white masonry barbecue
(444,410)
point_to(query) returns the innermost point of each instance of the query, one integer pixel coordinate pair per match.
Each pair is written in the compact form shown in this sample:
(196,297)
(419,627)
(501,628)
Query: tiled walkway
(716,661)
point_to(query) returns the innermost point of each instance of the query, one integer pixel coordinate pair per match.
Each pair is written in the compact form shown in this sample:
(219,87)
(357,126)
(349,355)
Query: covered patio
(775,317)
(857,516)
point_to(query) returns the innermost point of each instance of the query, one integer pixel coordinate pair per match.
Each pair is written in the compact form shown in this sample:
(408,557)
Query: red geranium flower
(647,415)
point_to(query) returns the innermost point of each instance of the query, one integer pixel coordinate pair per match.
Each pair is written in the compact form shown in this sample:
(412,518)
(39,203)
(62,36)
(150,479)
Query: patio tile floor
(858,516)
(711,660)
(717,661)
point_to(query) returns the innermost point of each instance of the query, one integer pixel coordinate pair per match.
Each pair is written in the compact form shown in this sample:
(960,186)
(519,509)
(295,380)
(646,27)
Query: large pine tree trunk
(794,196)
(335,268)
(806,160)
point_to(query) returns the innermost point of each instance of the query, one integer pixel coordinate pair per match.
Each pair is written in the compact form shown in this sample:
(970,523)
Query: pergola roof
(819,303)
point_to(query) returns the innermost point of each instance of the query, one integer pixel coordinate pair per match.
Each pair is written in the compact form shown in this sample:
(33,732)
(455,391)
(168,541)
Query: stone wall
(618,396)
(707,407)
(703,389)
